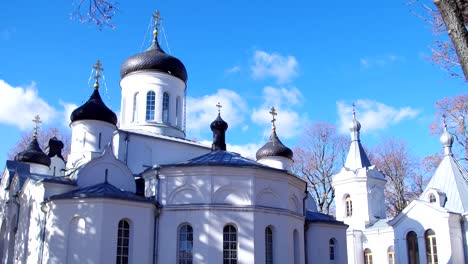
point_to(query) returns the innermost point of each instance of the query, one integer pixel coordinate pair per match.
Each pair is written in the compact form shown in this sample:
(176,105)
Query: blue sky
(310,59)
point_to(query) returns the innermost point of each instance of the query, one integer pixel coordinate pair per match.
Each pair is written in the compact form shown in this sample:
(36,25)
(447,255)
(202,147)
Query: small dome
(33,154)
(274,148)
(55,147)
(219,124)
(355,126)
(154,59)
(446,139)
(94,109)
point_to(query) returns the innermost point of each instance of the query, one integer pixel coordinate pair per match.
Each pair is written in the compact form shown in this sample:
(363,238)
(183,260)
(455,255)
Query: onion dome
(355,126)
(274,147)
(154,59)
(219,127)
(94,108)
(55,147)
(446,139)
(33,153)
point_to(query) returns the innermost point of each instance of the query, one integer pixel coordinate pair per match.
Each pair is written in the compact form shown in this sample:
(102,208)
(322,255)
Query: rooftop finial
(157,21)
(446,139)
(444,119)
(37,121)
(98,69)
(354,111)
(273,119)
(55,132)
(219,107)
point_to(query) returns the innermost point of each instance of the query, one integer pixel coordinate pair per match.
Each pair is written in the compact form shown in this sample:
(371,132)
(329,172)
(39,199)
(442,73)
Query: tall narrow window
(332,250)
(99,140)
(165,108)
(150,100)
(268,245)
(412,247)
(432,198)
(178,118)
(391,255)
(349,206)
(229,245)
(431,247)
(367,256)
(185,254)
(135,108)
(123,242)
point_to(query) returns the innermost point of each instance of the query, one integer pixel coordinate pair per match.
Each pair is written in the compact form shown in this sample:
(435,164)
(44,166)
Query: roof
(52,179)
(144,133)
(274,148)
(451,178)
(357,157)
(221,158)
(94,109)
(101,190)
(34,154)
(17,167)
(316,217)
(154,59)
(381,223)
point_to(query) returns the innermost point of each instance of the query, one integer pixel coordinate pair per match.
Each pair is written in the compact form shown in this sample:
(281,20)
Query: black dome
(55,147)
(274,147)
(219,124)
(34,154)
(94,109)
(154,59)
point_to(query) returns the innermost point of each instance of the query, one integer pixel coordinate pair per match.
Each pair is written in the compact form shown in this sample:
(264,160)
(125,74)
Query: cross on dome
(219,107)
(157,21)
(55,132)
(273,119)
(354,110)
(98,69)
(36,121)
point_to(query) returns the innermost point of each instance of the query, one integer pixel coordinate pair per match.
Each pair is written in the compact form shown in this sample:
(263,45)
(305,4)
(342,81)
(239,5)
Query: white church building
(137,191)
(431,229)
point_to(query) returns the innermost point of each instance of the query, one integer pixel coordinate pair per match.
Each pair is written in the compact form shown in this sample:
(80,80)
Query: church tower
(359,186)
(153,91)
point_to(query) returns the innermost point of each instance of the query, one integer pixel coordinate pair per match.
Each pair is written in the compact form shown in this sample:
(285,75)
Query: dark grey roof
(55,147)
(17,167)
(52,179)
(34,154)
(274,148)
(94,109)
(101,190)
(221,158)
(315,217)
(154,59)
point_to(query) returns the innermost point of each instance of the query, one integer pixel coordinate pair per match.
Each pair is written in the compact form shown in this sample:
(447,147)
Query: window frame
(269,245)
(431,246)
(348,206)
(368,256)
(165,108)
(123,242)
(332,250)
(230,245)
(135,107)
(412,247)
(185,256)
(150,105)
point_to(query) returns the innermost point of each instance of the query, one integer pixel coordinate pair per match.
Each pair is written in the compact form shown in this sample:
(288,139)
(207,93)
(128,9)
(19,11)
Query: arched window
(165,108)
(178,117)
(391,255)
(349,206)
(150,101)
(367,256)
(123,242)
(229,245)
(268,245)
(432,198)
(332,250)
(431,247)
(135,108)
(185,254)
(412,247)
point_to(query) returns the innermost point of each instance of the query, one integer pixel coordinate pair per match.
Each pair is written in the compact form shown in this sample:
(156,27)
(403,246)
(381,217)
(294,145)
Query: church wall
(97,235)
(318,243)
(378,241)
(456,238)
(355,250)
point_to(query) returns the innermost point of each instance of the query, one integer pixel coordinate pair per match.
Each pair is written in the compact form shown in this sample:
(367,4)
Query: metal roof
(314,217)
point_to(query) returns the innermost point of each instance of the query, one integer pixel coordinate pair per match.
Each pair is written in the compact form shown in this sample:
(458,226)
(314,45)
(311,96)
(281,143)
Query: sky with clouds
(310,60)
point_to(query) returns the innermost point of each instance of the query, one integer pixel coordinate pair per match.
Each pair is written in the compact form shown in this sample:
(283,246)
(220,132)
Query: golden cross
(157,21)
(37,121)
(98,68)
(219,107)
(273,114)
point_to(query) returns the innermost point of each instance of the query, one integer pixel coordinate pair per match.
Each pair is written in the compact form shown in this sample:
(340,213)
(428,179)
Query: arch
(431,246)
(185,194)
(332,244)
(123,242)
(348,205)
(165,108)
(267,197)
(229,244)
(367,256)
(269,245)
(297,251)
(412,247)
(231,195)
(135,108)
(391,255)
(150,105)
(293,203)
(76,239)
(184,243)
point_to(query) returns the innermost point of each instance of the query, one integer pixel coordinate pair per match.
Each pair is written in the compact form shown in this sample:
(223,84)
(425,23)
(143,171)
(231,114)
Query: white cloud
(287,121)
(282,68)
(233,70)
(202,111)
(19,105)
(379,60)
(68,109)
(372,115)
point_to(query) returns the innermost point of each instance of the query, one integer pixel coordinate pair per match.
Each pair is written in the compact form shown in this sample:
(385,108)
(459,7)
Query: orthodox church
(431,229)
(137,191)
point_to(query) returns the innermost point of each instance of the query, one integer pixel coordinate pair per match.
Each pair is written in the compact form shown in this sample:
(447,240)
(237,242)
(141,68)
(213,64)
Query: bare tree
(43,137)
(320,154)
(455,110)
(98,12)
(404,178)
(448,17)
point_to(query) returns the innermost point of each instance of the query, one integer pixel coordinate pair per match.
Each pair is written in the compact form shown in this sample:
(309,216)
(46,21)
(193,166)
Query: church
(135,190)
